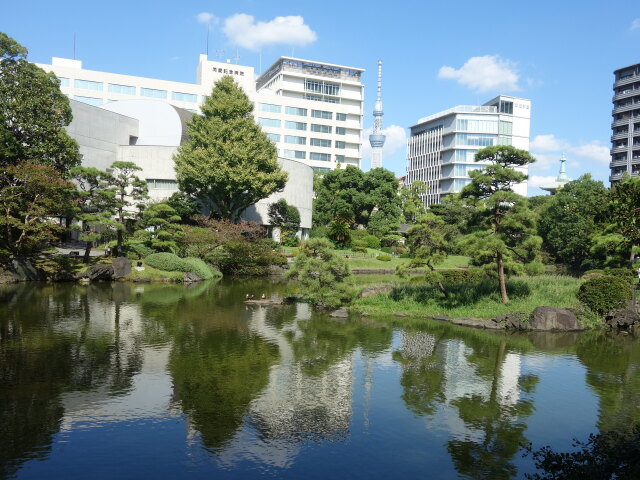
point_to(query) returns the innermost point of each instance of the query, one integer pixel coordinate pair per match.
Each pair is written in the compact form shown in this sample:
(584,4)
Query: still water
(169,381)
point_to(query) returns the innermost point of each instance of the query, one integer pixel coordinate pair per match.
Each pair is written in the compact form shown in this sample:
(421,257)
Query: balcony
(619,136)
(622,121)
(620,149)
(618,163)
(629,93)
(626,80)
(626,108)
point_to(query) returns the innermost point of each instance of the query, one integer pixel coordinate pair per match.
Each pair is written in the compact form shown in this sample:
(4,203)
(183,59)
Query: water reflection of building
(295,406)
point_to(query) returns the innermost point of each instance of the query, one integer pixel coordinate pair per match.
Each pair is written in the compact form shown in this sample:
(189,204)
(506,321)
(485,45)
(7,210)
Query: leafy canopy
(228,163)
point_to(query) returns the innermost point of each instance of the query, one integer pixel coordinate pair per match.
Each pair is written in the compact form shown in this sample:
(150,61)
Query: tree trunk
(87,252)
(440,285)
(501,279)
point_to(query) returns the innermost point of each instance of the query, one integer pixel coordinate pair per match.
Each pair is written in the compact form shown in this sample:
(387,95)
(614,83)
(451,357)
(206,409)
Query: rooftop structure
(625,126)
(442,146)
(377,138)
(560,180)
(311,110)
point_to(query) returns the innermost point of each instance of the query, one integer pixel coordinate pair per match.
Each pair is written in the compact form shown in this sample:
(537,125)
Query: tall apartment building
(625,127)
(311,110)
(442,146)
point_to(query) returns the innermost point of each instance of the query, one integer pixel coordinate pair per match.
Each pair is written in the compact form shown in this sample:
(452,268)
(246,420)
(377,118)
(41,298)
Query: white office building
(311,110)
(442,146)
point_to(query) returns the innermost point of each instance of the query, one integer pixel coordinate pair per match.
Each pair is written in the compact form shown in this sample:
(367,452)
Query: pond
(170,381)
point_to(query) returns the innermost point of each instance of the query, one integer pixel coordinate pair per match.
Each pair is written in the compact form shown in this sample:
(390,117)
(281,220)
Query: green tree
(320,274)
(96,203)
(287,218)
(339,231)
(505,235)
(129,192)
(428,246)
(624,211)
(185,206)
(412,204)
(163,226)
(33,113)
(571,219)
(228,162)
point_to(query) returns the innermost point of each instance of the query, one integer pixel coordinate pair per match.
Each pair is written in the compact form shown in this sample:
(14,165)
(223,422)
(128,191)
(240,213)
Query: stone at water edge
(476,323)
(513,321)
(340,313)
(401,314)
(190,277)
(623,319)
(121,267)
(99,271)
(553,318)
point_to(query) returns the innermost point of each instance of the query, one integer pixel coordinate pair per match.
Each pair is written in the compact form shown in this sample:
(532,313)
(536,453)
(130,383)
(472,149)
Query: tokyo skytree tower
(376,139)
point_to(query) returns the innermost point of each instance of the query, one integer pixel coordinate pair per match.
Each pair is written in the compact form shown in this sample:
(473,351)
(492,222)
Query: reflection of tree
(613,372)
(48,347)
(216,374)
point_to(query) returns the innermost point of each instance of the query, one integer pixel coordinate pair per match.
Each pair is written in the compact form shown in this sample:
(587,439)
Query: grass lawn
(475,300)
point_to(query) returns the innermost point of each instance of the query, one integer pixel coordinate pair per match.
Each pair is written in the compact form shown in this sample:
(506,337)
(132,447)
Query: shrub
(391,240)
(454,276)
(371,241)
(534,268)
(358,248)
(247,258)
(386,249)
(384,257)
(398,250)
(625,273)
(136,251)
(359,243)
(604,294)
(169,262)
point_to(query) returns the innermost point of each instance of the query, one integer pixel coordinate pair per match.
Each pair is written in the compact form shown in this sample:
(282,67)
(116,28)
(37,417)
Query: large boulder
(121,267)
(513,321)
(23,270)
(623,319)
(376,290)
(191,277)
(552,318)
(99,271)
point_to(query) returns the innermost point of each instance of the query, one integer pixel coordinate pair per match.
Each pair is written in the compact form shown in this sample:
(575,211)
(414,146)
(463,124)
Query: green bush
(454,276)
(169,262)
(358,248)
(391,240)
(359,243)
(398,250)
(625,273)
(247,258)
(136,251)
(386,249)
(371,241)
(604,294)
(384,257)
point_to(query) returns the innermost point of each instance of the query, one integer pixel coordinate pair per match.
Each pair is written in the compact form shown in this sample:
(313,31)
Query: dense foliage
(603,294)
(170,262)
(228,163)
(320,274)
(287,218)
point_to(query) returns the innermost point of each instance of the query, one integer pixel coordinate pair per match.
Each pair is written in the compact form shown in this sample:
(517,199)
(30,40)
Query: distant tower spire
(376,139)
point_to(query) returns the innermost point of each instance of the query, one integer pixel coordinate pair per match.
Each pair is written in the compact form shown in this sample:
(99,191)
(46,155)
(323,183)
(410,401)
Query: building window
(319,98)
(64,82)
(321,169)
(463,170)
(301,112)
(299,154)
(340,158)
(504,140)
(506,128)
(89,100)
(155,184)
(506,107)
(267,107)
(475,140)
(269,122)
(295,140)
(88,85)
(122,89)
(480,126)
(323,157)
(153,93)
(320,128)
(341,117)
(324,88)
(184,97)
(340,144)
(321,114)
(341,131)
(460,183)
(320,142)
(274,137)
(295,125)
(466,156)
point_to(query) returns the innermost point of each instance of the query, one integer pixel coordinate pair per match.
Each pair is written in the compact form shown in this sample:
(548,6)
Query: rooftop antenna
(236,57)
(74,45)
(208,30)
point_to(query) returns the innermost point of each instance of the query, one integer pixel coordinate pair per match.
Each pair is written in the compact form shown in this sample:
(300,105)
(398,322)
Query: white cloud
(243,30)
(635,25)
(483,74)
(540,180)
(594,151)
(207,18)
(396,139)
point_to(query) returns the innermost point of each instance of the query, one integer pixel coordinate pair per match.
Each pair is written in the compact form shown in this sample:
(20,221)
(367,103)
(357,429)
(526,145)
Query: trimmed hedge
(604,294)
(454,276)
(169,262)
(384,257)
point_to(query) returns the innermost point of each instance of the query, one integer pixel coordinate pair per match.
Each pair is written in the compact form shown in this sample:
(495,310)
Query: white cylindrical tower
(376,139)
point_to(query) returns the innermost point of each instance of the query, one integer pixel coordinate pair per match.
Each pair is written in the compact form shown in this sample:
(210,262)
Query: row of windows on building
(485,126)
(314,127)
(129,90)
(322,157)
(301,112)
(479,140)
(314,142)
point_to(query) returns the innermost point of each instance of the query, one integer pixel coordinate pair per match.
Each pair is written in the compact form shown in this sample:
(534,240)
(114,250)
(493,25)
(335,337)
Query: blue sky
(561,55)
